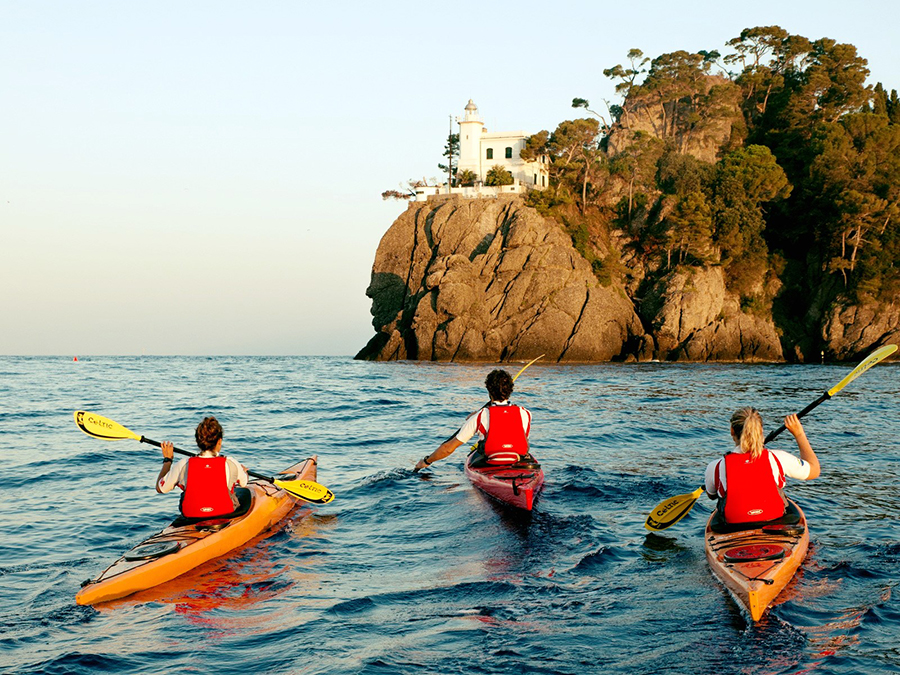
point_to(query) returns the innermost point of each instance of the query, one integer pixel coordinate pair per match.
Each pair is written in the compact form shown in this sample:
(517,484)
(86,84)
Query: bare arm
(807,454)
(168,453)
(444,450)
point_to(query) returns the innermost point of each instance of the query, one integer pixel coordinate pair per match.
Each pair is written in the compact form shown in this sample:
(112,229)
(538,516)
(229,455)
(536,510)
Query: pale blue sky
(184,177)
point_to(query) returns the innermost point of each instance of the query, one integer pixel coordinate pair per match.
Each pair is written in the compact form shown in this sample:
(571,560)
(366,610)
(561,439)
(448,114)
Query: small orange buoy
(75,359)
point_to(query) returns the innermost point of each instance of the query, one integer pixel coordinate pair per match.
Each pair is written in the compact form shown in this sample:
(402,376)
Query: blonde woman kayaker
(504,427)
(748,481)
(208,479)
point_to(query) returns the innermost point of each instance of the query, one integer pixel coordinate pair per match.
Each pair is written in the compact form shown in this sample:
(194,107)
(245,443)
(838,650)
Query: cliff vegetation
(740,204)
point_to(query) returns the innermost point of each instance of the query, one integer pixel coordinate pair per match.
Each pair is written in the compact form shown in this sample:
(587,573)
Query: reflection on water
(660,549)
(238,581)
(420,573)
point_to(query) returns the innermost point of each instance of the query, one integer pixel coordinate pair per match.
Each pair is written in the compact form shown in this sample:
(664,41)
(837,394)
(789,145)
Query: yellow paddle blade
(103,427)
(307,490)
(875,357)
(670,511)
(522,370)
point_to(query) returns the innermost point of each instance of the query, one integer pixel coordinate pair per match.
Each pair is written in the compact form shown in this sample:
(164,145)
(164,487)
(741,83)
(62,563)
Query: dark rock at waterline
(695,318)
(851,330)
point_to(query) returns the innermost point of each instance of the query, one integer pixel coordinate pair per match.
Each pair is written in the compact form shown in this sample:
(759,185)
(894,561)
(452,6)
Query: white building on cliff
(480,151)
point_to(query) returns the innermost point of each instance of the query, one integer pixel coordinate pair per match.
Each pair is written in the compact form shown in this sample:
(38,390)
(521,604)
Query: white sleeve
(470,427)
(526,421)
(793,466)
(174,477)
(709,478)
(236,473)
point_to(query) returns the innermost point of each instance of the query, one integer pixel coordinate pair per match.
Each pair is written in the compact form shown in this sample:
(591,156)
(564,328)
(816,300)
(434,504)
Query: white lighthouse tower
(480,151)
(471,129)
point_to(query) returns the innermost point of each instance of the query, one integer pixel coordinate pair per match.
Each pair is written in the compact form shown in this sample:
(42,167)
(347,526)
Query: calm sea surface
(408,573)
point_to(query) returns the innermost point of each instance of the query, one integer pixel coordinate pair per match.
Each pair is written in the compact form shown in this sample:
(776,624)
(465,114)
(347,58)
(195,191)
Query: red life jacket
(752,493)
(504,440)
(206,493)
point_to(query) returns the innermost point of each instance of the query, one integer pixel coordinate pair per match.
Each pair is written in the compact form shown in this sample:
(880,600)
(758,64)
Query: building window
(543,181)
(509,153)
(490,153)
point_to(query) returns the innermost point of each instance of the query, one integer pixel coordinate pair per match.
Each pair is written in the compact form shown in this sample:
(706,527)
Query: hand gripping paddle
(671,510)
(108,430)
(521,370)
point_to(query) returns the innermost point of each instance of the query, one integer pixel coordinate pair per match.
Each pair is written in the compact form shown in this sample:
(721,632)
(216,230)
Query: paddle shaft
(150,441)
(515,377)
(824,397)
(875,357)
(522,370)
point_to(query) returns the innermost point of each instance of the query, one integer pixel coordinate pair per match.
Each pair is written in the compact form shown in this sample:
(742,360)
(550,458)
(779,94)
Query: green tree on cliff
(627,75)
(451,152)
(854,192)
(575,159)
(576,155)
(497,176)
(745,180)
(690,230)
(767,55)
(536,146)
(636,166)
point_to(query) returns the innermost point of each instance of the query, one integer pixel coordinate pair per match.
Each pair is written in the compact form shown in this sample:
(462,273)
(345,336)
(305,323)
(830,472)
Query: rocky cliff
(850,330)
(700,126)
(493,280)
(694,318)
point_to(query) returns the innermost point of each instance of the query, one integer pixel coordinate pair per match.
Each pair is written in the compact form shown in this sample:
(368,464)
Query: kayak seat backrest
(480,461)
(245,500)
(791,517)
(504,458)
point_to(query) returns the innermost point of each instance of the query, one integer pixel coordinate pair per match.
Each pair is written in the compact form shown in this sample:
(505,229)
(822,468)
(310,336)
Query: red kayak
(513,484)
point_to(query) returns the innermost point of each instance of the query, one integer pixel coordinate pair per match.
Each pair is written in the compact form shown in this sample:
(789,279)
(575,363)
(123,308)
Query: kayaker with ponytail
(748,481)
(503,426)
(208,479)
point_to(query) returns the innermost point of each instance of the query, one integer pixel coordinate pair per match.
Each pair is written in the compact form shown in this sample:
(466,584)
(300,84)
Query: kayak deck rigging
(756,564)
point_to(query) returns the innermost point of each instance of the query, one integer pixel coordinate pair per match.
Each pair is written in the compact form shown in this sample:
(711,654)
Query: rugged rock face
(492,280)
(694,318)
(849,330)
(703,137)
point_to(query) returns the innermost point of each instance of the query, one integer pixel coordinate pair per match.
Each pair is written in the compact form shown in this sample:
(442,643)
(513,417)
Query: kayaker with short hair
(748,481)
(503,426)
(208,479)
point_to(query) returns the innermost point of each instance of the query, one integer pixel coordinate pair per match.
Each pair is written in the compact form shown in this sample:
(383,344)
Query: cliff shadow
(388,293)
(392,303)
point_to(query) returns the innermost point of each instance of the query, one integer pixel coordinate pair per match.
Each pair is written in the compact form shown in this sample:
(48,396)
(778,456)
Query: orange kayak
(755,565)
(179,549)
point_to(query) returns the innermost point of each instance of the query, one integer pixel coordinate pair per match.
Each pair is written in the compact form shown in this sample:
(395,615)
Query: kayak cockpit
(717,524)
(245,501)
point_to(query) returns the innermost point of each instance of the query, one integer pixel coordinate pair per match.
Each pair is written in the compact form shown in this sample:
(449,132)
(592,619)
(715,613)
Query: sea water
(420,573)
